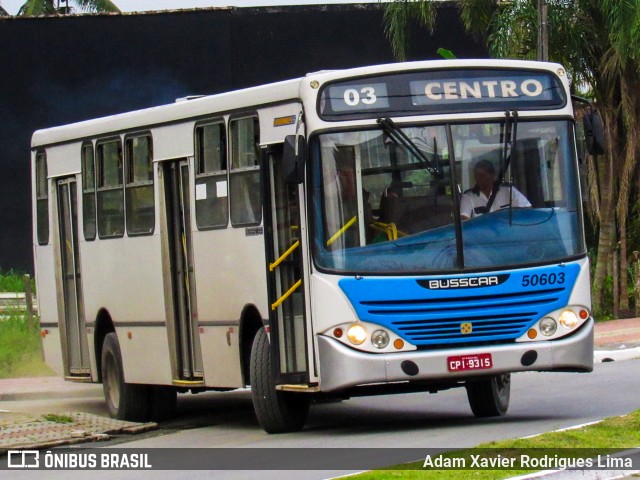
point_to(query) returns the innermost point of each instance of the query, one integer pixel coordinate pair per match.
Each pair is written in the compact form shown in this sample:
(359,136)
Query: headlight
(548,326)
(380,339)
(568,319)
(356,334)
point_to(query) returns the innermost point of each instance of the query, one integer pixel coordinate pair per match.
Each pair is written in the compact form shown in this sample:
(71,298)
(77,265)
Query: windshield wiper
(509,143)
(397,135)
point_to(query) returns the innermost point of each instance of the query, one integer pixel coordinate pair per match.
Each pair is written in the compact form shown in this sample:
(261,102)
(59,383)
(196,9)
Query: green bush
(13,281)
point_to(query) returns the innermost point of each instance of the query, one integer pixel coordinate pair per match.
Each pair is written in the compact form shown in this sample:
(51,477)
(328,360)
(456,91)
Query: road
(539,402)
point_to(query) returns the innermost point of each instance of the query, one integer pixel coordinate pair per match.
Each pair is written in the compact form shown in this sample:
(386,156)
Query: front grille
(431,321)
(430,317)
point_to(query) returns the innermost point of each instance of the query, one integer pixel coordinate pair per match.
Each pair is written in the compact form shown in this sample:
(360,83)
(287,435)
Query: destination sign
(364,97)
(439,92)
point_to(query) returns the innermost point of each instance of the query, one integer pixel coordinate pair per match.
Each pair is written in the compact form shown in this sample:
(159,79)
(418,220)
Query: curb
(51,395)
(578,475)
(564,474)
(601,356)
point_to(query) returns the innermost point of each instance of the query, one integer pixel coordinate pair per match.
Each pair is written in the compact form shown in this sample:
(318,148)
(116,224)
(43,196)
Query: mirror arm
(583,100)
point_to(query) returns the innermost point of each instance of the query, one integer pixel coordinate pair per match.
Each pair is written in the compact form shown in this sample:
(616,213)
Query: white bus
(305,238)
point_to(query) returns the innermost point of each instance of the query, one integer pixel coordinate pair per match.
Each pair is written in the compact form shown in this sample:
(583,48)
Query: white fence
(11,301)
(19,302)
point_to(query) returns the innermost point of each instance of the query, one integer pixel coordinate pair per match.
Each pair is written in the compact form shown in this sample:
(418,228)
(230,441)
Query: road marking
(574,427)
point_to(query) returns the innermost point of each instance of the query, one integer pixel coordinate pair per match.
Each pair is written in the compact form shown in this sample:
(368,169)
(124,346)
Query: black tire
(125,401)
(163,403)
(277,412)
(489,397)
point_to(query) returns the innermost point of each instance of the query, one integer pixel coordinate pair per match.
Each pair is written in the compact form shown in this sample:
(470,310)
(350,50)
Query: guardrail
(19,302)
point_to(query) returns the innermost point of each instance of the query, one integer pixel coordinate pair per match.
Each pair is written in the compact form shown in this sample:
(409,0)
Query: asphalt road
(539,402)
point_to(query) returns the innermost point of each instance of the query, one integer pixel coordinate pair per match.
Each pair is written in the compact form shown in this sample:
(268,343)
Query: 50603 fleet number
(543,279)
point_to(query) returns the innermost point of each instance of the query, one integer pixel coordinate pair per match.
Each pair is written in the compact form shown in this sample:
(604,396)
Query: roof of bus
(245,99)
(164,114)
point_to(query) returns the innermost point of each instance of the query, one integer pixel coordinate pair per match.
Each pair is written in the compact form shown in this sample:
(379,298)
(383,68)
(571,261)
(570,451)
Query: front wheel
(277,412)
(489,397)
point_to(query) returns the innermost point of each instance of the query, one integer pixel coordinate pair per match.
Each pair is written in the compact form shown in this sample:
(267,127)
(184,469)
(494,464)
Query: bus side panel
(173,141)
(63,160)
(124,277)
(48,306)
(145,354)
(220,356)
(278,122)
(230,274)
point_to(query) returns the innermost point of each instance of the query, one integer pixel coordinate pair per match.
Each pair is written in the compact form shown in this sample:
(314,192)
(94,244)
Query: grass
(57,418)
(13,281)
(20,349)
(618,433)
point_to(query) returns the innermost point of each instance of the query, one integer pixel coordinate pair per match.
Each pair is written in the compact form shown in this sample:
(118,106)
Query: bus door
(185,317)
(74,338)
(287,318)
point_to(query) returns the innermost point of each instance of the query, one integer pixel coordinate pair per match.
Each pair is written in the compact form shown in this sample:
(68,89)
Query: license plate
(461,363)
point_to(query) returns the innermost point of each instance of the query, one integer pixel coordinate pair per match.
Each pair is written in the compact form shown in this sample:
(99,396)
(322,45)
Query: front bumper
(342,367)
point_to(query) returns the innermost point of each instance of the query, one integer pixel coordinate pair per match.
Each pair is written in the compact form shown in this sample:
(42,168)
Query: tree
(48,7)
(598,41)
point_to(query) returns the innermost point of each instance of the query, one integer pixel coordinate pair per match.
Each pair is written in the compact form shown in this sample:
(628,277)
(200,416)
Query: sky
(12,6)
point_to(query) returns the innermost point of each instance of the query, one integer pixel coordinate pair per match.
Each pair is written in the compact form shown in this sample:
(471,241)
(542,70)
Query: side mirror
(293,158)
(594,133)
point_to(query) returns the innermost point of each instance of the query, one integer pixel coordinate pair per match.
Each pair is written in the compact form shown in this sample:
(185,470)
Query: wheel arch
(250,323)
(104,326)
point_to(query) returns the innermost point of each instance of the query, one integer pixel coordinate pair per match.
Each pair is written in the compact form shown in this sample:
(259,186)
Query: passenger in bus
(474,201)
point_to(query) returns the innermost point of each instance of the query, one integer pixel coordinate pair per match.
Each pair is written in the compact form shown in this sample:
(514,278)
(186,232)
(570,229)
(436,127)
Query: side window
(244,175)
(42,199)
(211,176)
(88,192)
(110,192)
(139,186)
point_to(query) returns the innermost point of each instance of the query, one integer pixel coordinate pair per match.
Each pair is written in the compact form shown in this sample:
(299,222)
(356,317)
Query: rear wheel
(489,397)
(125,401)
(277,412)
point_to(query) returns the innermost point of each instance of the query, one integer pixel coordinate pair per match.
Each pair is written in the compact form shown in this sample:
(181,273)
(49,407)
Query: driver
(474,201)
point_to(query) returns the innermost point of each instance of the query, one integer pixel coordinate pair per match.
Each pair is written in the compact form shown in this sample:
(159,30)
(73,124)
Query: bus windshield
(387,200)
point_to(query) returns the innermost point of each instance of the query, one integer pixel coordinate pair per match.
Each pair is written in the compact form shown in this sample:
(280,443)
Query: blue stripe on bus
(498,310)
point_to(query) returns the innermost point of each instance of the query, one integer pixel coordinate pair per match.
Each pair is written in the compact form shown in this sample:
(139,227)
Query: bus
(305,239)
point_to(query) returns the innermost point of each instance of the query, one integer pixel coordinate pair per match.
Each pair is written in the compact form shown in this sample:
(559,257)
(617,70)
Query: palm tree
(598,42)
(47,7)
